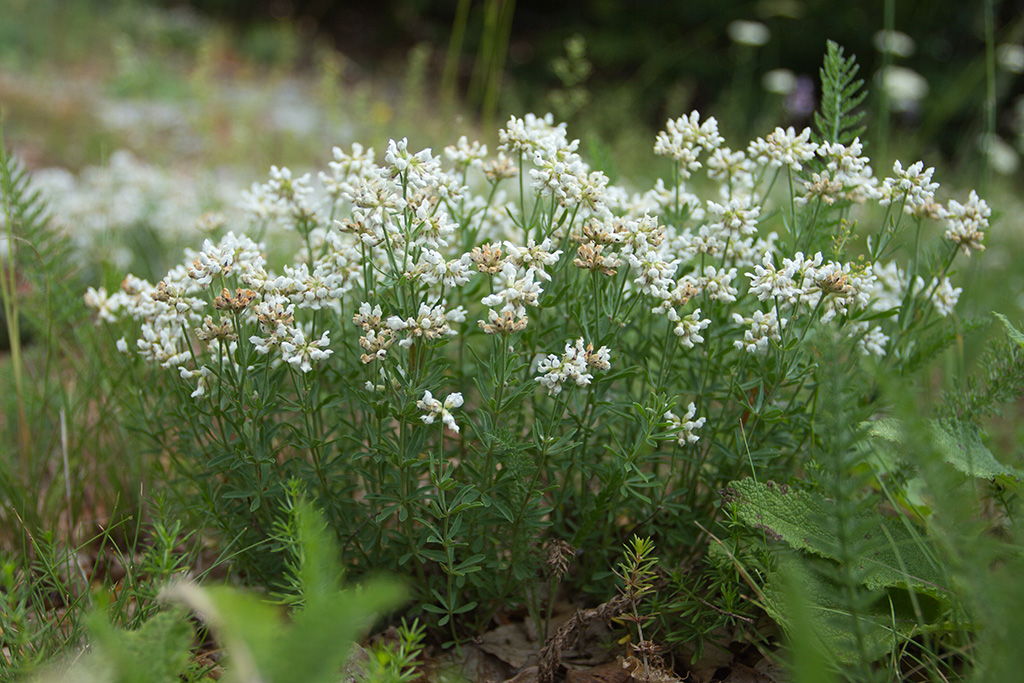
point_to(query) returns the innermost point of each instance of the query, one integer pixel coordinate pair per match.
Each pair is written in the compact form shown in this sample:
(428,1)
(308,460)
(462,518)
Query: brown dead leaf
(511,644)
(527,675)
(612,672)
(741,673)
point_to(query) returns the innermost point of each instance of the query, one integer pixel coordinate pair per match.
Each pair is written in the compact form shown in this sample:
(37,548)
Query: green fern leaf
(841,94)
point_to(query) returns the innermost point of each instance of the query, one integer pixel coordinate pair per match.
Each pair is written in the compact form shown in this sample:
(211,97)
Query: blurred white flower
(905,87)
(779,81)
(896,43)
(1011,57)
(752,33)
(945,296)
(966,223)
(1002,157)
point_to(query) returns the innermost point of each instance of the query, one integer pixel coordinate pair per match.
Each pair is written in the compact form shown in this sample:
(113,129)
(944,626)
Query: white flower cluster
(762,328)
(171,314)
(966,223)
(573,366)
(682,139)
(560,172)
(283,200)
(403,243)
(430,322)
(784,148)
(686,426)
(912,187)
(101,206)
(830,288)
(847,176)
(436,409)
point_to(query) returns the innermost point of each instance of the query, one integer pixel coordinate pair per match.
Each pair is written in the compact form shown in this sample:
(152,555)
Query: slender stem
(990,95)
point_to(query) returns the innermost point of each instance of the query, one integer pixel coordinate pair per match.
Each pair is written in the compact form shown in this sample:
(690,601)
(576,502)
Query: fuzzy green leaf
(959,444)
(894,556)
(884,625)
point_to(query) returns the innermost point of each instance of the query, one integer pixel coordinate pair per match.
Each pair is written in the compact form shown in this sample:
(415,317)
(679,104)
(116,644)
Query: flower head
(433,408)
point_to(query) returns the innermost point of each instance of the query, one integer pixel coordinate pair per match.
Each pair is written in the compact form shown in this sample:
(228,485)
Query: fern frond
(43,254)
(841,93)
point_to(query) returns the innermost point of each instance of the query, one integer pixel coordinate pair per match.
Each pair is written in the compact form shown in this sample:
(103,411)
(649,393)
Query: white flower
(683,136)
(779,81)
(532,133)
(512,292)
(1011,57)
(1001,155)
(689,328)
(162,344)
(845,288)
(106,307)
(203,374)
(770,283)
(847,175)
(465,153)
(533,255)
(571,366)
(430,322)
(889,286)
(945,296)
(896,43)
(752,33)
(345,168)
(783,148)
(967,222)
(732,220)
(686,426)
(234,253)
(732,168)
(301,353)
(904,86)
(870,342)
(435,408)
(717,284)
(763,328)
(653,274)
(122,345)
(913,185)
(419,170)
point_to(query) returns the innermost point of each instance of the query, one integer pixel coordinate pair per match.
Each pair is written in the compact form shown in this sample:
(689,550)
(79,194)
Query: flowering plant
(566,320)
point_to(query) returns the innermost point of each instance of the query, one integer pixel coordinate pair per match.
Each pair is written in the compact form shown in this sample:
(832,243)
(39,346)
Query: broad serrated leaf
(884,625)
(960,446)
(893,557)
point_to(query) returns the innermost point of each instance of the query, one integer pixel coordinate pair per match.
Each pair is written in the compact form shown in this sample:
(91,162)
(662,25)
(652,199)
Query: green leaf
(1013,333)
(264,644)
(156,653)
(960,445)
(840,95)
(894,556)
(886,623)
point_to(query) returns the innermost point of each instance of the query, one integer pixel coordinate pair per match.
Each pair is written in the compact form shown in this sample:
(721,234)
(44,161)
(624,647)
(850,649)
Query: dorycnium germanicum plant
(472,354)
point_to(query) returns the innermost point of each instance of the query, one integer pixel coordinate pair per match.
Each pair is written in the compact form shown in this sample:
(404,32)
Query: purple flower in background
(801,102)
